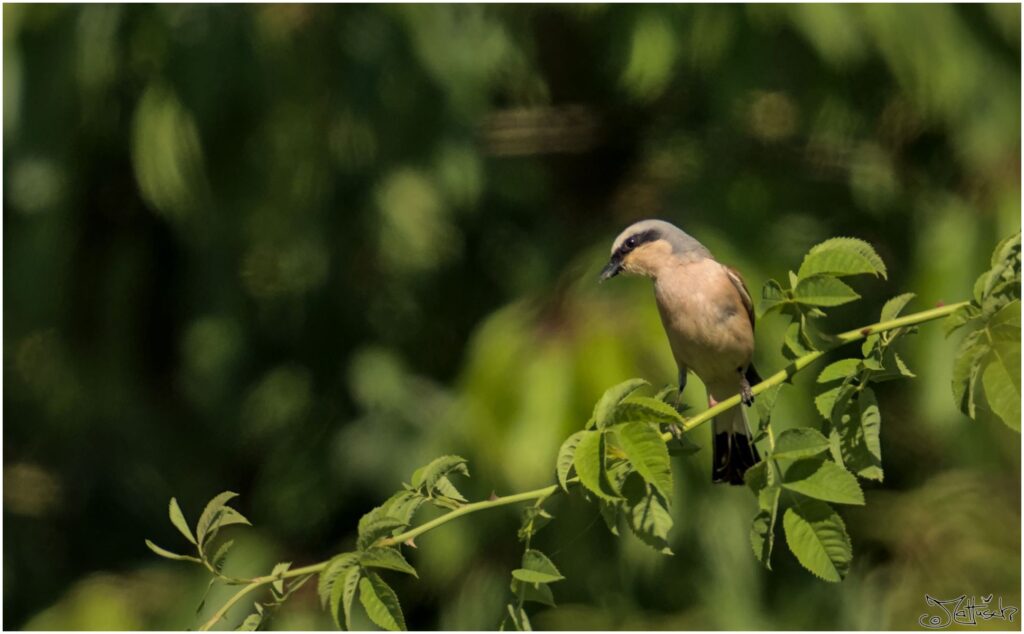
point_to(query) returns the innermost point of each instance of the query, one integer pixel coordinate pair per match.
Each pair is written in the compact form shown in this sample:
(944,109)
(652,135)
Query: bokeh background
(297,251)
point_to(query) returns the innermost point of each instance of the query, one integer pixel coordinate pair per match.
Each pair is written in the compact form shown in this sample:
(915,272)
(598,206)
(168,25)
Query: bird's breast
(705,319)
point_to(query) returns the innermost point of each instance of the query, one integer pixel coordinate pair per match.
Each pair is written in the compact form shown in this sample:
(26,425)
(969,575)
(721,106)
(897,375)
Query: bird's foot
(676,430)
(746,394)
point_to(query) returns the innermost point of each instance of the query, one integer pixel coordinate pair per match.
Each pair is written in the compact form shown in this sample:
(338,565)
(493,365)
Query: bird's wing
(737,281)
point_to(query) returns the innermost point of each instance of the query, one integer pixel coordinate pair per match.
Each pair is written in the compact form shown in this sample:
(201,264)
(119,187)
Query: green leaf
(823,480)
(795,342)
(667,394)
(251,623)
(566,455)
(589,462)
(892,308)
(402,505)
(817,537)
(1001,380)
(651,522)
(646,410)
(842,256)
(536,592)
(610,515)
(762,530)
(604,410)
(336,569)
(210,514)
(856,427)
(839,370)
(342,595)
(801,442)
(381,603)
(178,519)
(966,375)
(388,558)
(222,555)
(963,316)
(428,475)
(537,568)
(646,451)
(772,297)
(169,555)
(373,531)
(534,519)
(444,487)
(823,290)
(520,621)
(825,401)
(281,568)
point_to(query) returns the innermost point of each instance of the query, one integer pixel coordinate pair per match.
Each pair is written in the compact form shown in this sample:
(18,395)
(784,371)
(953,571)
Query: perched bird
(708,316)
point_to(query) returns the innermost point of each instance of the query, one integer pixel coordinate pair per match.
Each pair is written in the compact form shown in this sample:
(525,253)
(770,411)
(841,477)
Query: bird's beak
(611,270)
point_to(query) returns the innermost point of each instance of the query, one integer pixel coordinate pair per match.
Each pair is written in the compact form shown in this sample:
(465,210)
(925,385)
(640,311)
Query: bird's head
(648,246)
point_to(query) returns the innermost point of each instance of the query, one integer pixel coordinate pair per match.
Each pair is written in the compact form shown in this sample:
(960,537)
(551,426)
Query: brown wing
(737,281)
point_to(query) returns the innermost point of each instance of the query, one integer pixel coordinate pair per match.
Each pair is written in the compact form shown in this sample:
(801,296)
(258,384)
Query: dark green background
(296,251)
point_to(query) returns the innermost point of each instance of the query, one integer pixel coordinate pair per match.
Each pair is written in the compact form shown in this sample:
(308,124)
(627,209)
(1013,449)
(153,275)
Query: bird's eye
(630,243)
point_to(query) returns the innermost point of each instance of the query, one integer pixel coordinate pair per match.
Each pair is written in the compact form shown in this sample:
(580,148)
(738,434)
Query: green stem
(786,373)
(692,423)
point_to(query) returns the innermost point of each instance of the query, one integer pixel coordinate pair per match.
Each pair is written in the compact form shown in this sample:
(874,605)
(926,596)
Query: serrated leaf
(281,568)
(537,568)
(966,377)
(342,595)
(566,455)
(645,409)
(646,451)
(534,519)
(402,505)
(892,308)
(823,480)
(794,342)
(605,407)
(651,522)
(387,558)
(444,487)
(901,366)
(381,603)
(800,442)
(1001,380)
(221,555)
(839,370)
(772,297)
(535,592)
(376,529)
(163,552)
(589,461)
(817,537)
(336,570)
(251,623)
(610,514)
(963,316)
(428,475)
(210,513)
(667,394)
(842,256)
(762,529)
(823,290)
(178,519)
(825,401)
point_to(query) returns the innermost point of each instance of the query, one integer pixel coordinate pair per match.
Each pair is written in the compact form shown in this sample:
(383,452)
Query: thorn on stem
(410,543)
(494,496)
(865,331)
(940,304)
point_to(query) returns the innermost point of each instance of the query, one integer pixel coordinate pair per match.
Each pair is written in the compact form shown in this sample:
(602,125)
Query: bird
(708,315)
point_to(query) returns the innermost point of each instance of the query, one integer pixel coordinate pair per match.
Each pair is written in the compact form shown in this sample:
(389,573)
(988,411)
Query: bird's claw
(747,395)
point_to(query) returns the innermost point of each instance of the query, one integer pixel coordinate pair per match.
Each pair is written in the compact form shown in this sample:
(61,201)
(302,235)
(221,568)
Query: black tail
(734,452)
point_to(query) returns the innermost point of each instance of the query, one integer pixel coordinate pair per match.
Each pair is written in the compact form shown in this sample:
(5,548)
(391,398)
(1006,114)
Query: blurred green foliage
(293,250)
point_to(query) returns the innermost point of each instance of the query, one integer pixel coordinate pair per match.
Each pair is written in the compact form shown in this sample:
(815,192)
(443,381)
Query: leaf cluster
(986,374)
